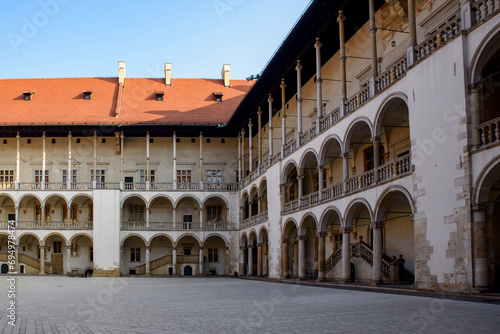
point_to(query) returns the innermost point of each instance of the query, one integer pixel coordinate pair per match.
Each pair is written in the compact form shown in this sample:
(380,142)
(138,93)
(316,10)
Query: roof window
(218,96)
(28,95)
(159,95)
(87,95)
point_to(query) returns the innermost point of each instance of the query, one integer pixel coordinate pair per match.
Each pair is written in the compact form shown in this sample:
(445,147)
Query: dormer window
(87,95)
(218,96)
(28,96)
(159,95)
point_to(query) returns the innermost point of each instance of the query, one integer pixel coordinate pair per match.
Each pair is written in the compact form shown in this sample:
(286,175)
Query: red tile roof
(61,101)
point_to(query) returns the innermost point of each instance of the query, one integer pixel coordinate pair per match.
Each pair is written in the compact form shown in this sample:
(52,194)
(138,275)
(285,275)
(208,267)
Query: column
(239,157)
(17,217)
(121,261)
(148,176)
(319,80)
(321,181)
(259,259)
(201,218)
(299,101)
(270,100)
(295,272)
(377,252)
(346,253)
(243,153)
(480,247)
(174,217)
(228,261)
(259,151)
(343,72)
(412,27)
(259,205)
(250,260)
(283,117)
(345,165)
(242,261)
(373,46)
(68,258)
(122,160)
(250,146)
(376,157)
(70,174)
(147,216)
(475,112)
(148,249)
(264,258)
(300,183)
(174,169)
(95,160)
(201,160)
(302,257)
(18,159)
(42,260)
(321,256)
(44,160)
(174,260)
(16,254)
(202,271)
(284,256)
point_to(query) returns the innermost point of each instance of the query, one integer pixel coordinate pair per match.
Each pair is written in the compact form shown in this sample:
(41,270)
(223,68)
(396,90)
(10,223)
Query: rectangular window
(291,192)
(143,175)
(38,213)
(57,247)
(91,254)
(73,175)
(183,176)
(136,213)
(186,221)
(213,255)
(214,176)
(38,176)
(187,251)
(214,213)
(73,213)
(100,175)
(135,254)
(6,176)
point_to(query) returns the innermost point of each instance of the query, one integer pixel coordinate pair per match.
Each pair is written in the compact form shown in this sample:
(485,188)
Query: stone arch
(122,243)
(53,234)
(289,168)
(24,234)
(80,235)
(306,154)
(162,235)
(226,242)
(262,233)
(391,189)
(481,189)
(222,198)
(359,121)
(486,48)
(78,196)
(132,196)
(159,197)
(355,207)
(187,196)
(187,235)
(386,104)
(326,215)
(289,224)
(305,218)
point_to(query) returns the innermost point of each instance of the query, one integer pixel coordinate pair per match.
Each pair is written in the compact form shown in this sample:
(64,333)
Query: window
(136,213)
(214,213)
(183,176)
(186,222)
(38,176)
(38,213)
(87,95)
(73,213)
(28,96)
(291,192)
(100,175)
(53,140)
(337,241)
(5,141)
(368,155)
(213,255)
(143,175)
(57,247)
(218,96)
(91,254)
(159,95)
(135,254)
(214,176)
(187,251)
(6,176)
(65,175)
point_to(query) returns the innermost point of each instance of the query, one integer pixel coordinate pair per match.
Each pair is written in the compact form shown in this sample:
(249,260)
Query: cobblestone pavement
(56,304)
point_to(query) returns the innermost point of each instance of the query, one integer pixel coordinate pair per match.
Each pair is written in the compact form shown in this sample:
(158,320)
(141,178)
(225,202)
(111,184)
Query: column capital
(260,244)
(302,237)
(259,111)
(42,246)
(299,66)
(341,17)
(479,207)
(318,43)
(346,230)
(285,241)
(300,177)
(243,247)
(250,246)
(283,84)
(375,139)
(321,167)
(270,99)
(250,124)
(377,225)
(148,248)
(243,132)
(322,234)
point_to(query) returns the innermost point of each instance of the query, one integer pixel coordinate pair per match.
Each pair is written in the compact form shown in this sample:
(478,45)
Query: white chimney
(225,74)
(121,72)
(168,74)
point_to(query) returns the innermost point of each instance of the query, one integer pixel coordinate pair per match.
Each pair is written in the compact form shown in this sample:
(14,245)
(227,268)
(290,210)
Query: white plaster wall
(106,229)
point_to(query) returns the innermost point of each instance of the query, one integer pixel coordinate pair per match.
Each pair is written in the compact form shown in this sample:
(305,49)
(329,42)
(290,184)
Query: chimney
(121,72)
(168,74)
(225,74)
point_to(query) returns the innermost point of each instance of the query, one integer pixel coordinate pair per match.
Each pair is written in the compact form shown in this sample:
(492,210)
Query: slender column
(147,216)
(148,176)
(250,145)
(376,157)
(321,177)
(259,204)
(148,249)
(319,80)
(42,260)
(95,159)
(16,254)
(300,179)
(174,217)
(250,260)
(259,123)
(345,165)
(265,259)
(122,157)
(68,213)
(346,253)
(302,257)
(174,260)
(295,258)
(17,217)
(174,162)
(202,271)
(44,159)
(343,72)
(475,112)
(321,256)
(284,256)
(412,27)
(121,261)
(259,259)
(283,117)
(299,101)
(250,209)
(201,159)
(377,252)
(228,260)
(373,46)
(43,215)
(18,157)
(68,259)
(239,157)
(242,260)
(69,180)
(480,247)
(201,218)
(243,152)
(270,100)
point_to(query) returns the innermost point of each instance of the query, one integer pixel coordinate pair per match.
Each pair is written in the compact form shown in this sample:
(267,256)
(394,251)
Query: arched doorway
(4,269)
(55,250)
(361,157)
(188,271)
(161,249)
(332,249)
(290,252)
(134,255)
(188,254)
(214,261)
(308,264)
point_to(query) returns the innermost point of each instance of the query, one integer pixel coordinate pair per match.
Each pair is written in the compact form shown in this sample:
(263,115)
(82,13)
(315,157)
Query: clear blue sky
(74,38)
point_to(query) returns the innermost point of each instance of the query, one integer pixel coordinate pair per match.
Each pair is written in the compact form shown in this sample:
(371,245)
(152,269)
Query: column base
(346,281)
(42,274)
(377,282)
(147,274)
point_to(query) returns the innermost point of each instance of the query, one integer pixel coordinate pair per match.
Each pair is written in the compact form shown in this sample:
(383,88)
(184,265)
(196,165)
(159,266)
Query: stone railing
(135,186)
(330,119)
(393,74)
(394,168)
(309,200)
(188,258)
(291,206)
(442,35)
(220,186)
(357,100)
(160,226)
(366,253)
(139,225)
(161,186)
(263,216)
(188,186)
(332,192)
(290,147)
(360,181)
(306,136)
(54,225)
(215,226)
(275,158)
(489,132)
(484,8)
(333,260)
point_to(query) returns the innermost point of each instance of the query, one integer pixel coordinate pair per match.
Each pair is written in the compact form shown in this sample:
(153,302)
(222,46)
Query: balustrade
(489,132)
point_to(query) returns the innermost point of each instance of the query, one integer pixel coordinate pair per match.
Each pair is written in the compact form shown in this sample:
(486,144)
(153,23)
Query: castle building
(372,132)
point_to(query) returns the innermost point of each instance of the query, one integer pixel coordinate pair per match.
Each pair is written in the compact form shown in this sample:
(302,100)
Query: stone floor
(55,304)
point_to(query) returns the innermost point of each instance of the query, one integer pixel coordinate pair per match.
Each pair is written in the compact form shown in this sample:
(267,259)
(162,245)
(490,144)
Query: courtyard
(57,304)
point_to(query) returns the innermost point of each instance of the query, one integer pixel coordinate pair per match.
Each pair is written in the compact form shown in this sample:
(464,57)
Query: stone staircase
(28,261)
(157,263)
(335,258)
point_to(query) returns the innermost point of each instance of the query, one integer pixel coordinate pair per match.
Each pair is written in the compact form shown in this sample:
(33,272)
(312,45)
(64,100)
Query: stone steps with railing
(154,264)
(333,259)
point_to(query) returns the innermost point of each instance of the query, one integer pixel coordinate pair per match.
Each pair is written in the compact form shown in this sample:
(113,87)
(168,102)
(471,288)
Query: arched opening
(253,202)
(243,255)
(263,196)
(29,253)
(161,214)
(31,213)
(82,255)
(214,259)
(252,254)
(215,213)
(331,225)
(263,266)
(309,175)
(188,213)
(331,161)
(290,251)
(134,213)
(81,212)
(245,204)
(55,258)
(188,254)
(161,250)
(188,271)
(291,187)
(134,255)
(308,263)
(398,234)
(358,220)
(360,154)
(7,210)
